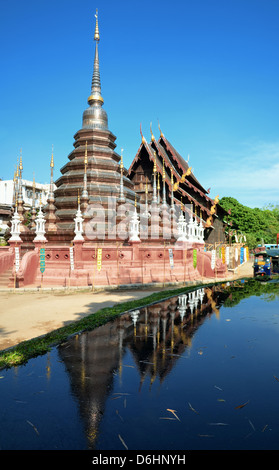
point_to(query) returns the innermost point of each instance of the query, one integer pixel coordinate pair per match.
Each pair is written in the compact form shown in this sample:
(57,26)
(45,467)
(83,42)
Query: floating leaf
(173,412)
(191,408)
(117,412)
(118,393)
(276,378)
(252,425)
(218,388)
(241,406)
(124,444)
(218,424)
(34,427)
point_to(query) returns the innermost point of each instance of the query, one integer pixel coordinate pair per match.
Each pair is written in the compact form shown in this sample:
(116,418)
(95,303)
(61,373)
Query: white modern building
(7,198)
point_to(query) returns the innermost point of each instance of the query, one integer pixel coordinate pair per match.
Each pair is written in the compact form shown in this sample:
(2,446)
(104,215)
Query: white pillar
(78,225)
(134,228)
(40,227)
(15,229)
(181,228)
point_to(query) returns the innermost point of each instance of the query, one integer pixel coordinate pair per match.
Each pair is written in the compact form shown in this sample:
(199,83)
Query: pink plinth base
(126,265)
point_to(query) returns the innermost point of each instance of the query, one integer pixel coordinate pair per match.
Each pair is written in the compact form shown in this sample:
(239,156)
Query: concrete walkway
(26,314)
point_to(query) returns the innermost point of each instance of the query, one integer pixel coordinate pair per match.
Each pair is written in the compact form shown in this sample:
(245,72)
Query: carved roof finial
(52,161)
(152,136)
(97,34)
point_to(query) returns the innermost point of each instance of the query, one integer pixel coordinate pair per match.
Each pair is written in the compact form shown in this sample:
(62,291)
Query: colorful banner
(223,255)
(227,255)
(17,260)
(42,259)
(213,259)
(72,258)
(236,254)
(241,255)
(99,259)
(195,258)
(171,258)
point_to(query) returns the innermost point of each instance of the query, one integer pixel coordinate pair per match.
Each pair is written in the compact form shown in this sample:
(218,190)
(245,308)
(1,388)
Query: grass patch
(26,350)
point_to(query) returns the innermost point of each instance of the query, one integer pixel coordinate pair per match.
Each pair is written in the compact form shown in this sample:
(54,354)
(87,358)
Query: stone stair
(5,278)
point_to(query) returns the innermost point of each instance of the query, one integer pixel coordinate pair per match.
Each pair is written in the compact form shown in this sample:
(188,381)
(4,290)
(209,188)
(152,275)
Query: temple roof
(179,160)
(177,166)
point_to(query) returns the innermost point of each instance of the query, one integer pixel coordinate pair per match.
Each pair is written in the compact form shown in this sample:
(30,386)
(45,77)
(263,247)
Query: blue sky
(208,70)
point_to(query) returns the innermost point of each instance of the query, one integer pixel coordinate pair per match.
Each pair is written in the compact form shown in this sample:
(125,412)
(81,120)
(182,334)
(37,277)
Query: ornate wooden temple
(164,213)
(176,183)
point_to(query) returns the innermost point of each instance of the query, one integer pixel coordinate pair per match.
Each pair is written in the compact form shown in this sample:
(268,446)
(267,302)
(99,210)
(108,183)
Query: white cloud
(250,173)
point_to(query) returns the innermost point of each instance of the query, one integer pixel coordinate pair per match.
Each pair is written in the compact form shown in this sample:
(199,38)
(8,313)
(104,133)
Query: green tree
(257,224)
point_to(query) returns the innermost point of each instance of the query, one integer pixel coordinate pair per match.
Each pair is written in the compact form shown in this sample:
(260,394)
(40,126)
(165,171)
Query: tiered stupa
(94,170)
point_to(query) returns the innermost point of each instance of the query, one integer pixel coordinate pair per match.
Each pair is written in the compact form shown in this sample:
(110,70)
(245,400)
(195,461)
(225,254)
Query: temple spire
(50,217)
(51,174)
(154,199)
(164,202)
(121,195)
(20,208)
(95,117)
(96,81)
(33,212)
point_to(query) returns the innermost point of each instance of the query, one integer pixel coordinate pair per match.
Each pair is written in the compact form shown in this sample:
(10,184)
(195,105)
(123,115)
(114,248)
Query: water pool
(197,371)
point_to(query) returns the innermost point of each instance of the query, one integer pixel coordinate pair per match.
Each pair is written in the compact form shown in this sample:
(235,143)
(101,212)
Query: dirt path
(26,315)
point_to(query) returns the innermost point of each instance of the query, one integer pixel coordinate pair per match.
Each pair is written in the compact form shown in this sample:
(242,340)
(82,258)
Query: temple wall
(131,264)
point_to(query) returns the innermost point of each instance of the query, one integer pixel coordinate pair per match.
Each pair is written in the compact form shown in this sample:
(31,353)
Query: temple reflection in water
(156,337)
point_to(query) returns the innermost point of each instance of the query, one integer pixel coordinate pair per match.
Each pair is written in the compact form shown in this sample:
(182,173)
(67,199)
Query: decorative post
(146,213)
(191,227)
(201,229)
(181,226)
(40,226)
(182,305)
(154,199)
(158,189)
(164,202)
(15,228)
(134,226)
(78,224)
(172,200)
(78,239)
(196,228)
(134,317)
